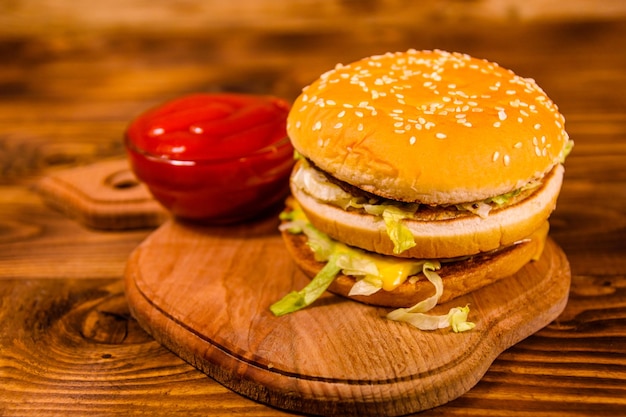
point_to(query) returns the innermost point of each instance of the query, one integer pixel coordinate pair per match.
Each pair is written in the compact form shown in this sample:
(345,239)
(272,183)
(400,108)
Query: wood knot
(110,322)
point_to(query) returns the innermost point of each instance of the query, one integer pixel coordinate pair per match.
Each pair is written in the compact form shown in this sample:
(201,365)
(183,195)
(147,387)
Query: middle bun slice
(437,232)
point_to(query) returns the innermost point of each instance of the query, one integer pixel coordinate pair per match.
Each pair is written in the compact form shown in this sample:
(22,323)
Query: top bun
(428,126)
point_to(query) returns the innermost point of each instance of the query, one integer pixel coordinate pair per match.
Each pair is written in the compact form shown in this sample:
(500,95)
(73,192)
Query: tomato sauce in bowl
(214,158)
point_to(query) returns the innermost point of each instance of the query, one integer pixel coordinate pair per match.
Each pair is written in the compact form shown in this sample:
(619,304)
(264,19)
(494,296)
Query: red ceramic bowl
(215,190)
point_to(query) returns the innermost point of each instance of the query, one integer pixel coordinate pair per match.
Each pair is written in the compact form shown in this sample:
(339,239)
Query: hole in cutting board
(121,180)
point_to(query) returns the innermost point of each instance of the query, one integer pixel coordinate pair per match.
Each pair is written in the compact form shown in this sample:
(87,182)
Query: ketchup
(213,157)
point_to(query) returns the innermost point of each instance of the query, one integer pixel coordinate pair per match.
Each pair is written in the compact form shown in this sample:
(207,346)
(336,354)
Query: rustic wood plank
(84,354)
(70,80)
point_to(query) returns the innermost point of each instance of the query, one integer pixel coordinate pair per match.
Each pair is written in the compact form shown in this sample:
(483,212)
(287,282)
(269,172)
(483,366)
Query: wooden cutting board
(205,294)
(103,195)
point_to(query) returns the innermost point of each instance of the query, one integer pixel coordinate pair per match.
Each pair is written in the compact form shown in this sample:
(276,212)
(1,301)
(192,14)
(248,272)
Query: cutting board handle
(103,195)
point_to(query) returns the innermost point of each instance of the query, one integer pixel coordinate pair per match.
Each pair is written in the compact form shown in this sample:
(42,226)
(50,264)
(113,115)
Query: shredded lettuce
(366,267)
(314,183)
(297,300)
(399,234)
(415,316)
(366,286)
(569,145)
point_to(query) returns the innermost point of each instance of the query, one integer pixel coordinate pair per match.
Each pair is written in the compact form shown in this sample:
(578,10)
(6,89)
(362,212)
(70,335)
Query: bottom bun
(459,277)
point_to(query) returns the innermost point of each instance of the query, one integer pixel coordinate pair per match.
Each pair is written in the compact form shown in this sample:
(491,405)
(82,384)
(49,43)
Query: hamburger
(421,176)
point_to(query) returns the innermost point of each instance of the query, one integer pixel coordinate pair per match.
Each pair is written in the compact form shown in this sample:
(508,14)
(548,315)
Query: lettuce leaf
(297,300)
(415,316)
(399,234)
(569,145)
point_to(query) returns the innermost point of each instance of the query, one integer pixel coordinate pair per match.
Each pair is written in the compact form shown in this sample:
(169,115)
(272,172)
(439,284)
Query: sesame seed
(495,157)
(338,126)
(518,145)
(502,115)
(298,124)
(441,135)
(360,127)
(507,160)
(341,114)
(317,125)
(358,113)
(412,140)
(497,124)
(538,126)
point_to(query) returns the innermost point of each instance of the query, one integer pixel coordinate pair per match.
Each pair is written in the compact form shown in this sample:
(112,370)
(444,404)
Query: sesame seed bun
(468,152)
(428,126)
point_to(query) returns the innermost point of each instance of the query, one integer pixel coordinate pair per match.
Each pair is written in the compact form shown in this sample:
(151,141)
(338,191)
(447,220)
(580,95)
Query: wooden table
(69,83)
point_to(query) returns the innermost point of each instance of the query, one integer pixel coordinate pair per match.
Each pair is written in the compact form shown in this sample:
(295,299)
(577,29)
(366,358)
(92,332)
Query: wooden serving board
(205,292)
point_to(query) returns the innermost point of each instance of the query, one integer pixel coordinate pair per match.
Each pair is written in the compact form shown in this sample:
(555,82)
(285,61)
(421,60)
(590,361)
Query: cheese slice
(394,273)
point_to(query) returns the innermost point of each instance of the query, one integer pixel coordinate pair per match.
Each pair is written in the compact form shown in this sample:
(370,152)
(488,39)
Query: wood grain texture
(205,294)
(71,78)
(72,348)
